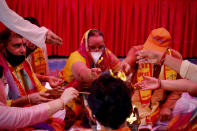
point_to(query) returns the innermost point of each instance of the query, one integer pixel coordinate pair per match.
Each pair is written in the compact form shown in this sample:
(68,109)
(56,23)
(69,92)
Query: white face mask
(96,56)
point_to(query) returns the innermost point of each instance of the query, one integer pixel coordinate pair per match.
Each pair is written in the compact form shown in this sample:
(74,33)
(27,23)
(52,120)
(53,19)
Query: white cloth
(17,24)
(15,117)
(185,104)
(188,70)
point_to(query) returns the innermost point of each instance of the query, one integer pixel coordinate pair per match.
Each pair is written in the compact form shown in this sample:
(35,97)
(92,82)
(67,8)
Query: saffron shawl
(38,62)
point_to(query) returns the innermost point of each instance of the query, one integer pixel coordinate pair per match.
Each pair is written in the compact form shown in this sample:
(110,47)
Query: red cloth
(124,23)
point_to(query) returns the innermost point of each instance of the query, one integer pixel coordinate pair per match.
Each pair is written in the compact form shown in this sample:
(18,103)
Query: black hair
(32,20)
(110,101)
(1,71)
(5,36)
(95,32)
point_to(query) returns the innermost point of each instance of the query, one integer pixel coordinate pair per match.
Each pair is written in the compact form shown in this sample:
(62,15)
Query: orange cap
(159,39)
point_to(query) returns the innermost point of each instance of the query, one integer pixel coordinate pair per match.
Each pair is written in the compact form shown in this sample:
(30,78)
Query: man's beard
(14,60)
(29,51)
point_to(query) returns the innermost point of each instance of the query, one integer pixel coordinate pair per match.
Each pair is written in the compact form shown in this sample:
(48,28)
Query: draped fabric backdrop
(124,23)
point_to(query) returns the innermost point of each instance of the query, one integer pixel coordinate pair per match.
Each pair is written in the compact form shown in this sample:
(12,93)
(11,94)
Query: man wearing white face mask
(87,63)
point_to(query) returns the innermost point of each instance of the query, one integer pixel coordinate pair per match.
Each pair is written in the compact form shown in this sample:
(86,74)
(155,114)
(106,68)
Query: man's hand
(95,73)
(53,38)
(148,56)
(165,114)
(54,93)
(131,56)
(124,66)
(54,81)
(149,83)
(37,98)
(69,94)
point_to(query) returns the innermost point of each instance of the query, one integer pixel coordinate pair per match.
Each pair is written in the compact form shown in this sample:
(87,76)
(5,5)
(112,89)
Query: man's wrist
(159,83)
(62,103)
(29,100)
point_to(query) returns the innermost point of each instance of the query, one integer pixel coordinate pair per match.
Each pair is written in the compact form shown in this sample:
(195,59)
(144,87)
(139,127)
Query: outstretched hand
(149,83)
(53,38)
(128,64)
(95,73)
(38,98)
(69,94)
(124,66)
(148,56)
(54,81)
